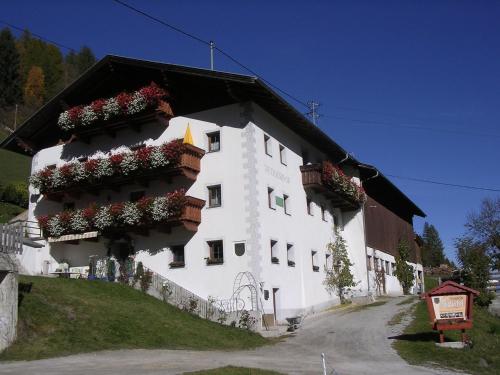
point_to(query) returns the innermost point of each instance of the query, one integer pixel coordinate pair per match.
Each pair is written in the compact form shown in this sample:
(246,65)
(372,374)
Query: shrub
(16,193)
(146,280)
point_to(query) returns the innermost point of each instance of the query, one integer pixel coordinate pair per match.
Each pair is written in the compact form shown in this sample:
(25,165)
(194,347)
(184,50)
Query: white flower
(111,108)
(55,226)
(130,214)
(88,115)
(64,121)
(129,163)
(137,104)
(157,158)
(159,211)
(79,173)
(104,168)
(57,179)
(103,218)
(78,223)
(36,180)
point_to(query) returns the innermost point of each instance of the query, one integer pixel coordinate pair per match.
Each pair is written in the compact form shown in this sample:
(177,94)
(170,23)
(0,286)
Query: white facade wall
(245,172)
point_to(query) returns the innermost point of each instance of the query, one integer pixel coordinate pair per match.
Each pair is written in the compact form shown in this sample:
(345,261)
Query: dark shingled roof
(194,90)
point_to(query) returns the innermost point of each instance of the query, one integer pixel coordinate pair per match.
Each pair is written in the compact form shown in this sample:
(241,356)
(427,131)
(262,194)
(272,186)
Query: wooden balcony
(312,179)
(161,116)
(188,167)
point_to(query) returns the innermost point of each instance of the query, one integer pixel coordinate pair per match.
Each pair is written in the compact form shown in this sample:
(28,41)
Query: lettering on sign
(276,174)
(450,307)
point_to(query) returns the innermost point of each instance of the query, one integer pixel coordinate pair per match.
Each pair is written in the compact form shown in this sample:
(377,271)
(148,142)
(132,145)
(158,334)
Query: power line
(444,183)
(37,35)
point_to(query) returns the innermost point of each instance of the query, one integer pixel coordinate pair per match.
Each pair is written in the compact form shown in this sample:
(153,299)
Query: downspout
(344,159)
(364,233)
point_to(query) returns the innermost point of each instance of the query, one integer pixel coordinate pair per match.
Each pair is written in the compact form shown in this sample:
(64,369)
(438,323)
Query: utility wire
(444,183)
(37,35)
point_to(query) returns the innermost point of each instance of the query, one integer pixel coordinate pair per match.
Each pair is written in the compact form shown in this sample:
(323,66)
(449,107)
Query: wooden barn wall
(384,229)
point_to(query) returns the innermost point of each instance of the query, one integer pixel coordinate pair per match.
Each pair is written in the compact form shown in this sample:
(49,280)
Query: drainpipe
(344,159)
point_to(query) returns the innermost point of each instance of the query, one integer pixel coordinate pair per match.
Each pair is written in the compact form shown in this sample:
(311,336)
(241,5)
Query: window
(282,154)
(286,204)
(274,252)
(177,257)
(387,269)
(314,259)
(136,195)
(68,206)
(369,262)
(375,265)
(309,206)
(328,261)
(213,142)
(239,248)
(216,252)
(323,213)
(393,269)
(270,198)
(267,144)
(214,196)
(290,255)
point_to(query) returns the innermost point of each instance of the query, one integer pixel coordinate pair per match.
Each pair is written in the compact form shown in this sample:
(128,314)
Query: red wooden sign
(450,308)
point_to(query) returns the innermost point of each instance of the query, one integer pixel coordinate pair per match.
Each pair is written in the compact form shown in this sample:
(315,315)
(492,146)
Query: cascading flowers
(336,178)
(148,210)
(106,109)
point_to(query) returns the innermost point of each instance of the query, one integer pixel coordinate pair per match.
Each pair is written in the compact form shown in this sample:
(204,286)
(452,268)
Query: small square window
(314,260)
(177,257)
(290,255)
(393,269)
(274,252)
(387,269)
(282,154)
(213,142)
(286,204)
(267,145)
(136,195)
(216,252)
(271,198)
(214,196)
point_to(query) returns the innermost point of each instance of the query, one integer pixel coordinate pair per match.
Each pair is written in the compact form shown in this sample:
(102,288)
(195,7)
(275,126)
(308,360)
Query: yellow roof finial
(188,137)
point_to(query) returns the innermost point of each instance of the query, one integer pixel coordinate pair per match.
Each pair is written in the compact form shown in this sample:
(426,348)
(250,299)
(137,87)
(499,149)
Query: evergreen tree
(404,272)
(432,249)
(10,85)
(84,59)
(34,90)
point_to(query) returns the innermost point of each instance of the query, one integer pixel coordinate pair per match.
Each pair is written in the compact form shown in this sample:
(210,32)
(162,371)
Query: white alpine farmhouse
(202,175)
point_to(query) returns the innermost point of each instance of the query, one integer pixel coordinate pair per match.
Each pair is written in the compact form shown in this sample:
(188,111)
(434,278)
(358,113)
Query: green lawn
(230,370)
(417,344)
(14,167)
(430,282)
(67,316)
(8,211)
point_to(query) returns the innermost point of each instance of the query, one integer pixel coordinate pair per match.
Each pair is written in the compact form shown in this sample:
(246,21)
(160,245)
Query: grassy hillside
(13,167)
(8,211)
(68,316)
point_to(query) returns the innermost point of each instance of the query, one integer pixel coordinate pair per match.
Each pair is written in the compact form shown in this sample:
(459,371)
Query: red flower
(66,171)
(152,93)
(116,160)
(75,113)
(173,150)
(91,165)
(116,209)
(43,222)
(97,105)
(142,155)
(123,100)
(65,217)
(176,202)
(144,204)
(90,212)
(46,173)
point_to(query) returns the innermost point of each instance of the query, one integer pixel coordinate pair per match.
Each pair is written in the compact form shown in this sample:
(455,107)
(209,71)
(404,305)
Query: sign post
(450,308)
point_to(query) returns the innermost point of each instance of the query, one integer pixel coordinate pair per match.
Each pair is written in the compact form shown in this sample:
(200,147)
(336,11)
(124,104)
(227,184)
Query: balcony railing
(337,187)
(160,213)
(187,165)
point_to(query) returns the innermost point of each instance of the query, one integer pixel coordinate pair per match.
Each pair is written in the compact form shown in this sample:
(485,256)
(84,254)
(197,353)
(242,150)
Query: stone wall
(8,300)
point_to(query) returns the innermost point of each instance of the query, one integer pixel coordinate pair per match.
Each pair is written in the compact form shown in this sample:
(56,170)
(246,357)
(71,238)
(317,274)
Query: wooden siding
(384,229)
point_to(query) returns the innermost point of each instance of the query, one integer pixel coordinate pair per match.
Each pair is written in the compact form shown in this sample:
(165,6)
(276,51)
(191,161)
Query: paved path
(354,342)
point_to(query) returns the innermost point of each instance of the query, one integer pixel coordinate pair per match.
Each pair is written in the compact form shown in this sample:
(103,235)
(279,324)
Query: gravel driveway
(354,342)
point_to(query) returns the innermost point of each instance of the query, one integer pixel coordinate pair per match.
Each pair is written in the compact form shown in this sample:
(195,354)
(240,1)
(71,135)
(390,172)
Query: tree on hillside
(84,59)
(10,88)
(34,90)
(404,272)
(339,278)
(484,227)
(475,264)
(432,248)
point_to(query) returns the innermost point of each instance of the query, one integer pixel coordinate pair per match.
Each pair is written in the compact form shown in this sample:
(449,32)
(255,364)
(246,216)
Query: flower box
(141,165)
(331,181)
(316,268)
(149,212)
(176,264)
(291,263)
(214,261)
(275,260)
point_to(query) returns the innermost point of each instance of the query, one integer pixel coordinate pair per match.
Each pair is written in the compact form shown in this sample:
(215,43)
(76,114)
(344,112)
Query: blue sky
(380,69)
